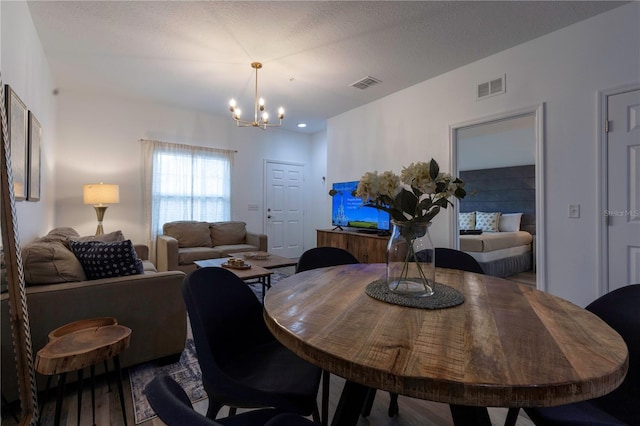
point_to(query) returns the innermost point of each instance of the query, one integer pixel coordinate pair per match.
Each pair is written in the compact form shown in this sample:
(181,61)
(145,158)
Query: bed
(500,253)
(502,208)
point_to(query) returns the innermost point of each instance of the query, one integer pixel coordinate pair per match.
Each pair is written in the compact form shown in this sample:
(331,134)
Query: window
(186,183)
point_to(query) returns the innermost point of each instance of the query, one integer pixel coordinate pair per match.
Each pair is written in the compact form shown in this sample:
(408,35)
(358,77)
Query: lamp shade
(101,193)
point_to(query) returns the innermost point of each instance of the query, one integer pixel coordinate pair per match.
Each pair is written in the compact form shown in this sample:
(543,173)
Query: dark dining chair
(242,363)
(456,259)
(321,257)
(171,404)
(620,309)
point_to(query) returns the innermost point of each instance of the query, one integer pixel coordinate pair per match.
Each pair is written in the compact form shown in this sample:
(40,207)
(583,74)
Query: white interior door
(284,222)
(623,189)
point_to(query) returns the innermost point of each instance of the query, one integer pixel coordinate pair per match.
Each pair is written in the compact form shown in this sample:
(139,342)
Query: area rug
(186,371)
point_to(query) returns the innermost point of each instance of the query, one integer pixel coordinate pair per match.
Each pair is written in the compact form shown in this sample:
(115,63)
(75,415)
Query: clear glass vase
(411,259)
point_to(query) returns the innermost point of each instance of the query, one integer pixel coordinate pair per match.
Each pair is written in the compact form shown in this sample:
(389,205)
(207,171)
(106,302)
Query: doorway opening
(501,157)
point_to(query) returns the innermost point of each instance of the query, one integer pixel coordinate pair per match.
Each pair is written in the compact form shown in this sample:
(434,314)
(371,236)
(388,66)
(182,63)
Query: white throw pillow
(467,220)
(510,222)
(488,222)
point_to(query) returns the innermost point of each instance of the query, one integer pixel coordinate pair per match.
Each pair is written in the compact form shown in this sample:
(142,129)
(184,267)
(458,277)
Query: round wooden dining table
(507,345)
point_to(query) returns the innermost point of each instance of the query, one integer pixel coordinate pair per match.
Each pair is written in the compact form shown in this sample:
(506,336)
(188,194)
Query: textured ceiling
(197,55)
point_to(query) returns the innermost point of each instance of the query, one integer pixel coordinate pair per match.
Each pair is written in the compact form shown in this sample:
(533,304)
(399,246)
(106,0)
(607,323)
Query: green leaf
(422,219)
(407,202)
(386,200)
(433,213)
(397,215)
(434,169)
(425,204)
(442,202)
(460,193)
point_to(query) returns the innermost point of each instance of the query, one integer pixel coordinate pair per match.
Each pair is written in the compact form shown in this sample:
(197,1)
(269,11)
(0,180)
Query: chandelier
(261,121)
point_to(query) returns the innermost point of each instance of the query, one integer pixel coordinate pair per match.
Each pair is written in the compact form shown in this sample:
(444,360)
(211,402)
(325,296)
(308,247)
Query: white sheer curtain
(183,182)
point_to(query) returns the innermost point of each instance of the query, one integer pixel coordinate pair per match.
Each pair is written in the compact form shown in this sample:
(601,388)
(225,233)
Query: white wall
(505,143)
(99,141)
(25,69)
(565,70)
(316,216)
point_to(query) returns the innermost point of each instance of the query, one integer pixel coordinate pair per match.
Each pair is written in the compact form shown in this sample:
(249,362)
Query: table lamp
(100,194)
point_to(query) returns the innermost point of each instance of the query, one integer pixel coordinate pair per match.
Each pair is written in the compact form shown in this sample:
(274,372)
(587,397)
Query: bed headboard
(505,190)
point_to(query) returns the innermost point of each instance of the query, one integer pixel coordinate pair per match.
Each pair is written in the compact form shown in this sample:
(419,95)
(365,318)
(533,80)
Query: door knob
(269,217)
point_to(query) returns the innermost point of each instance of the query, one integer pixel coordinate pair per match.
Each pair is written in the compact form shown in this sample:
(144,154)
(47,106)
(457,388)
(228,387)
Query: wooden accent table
(262,275)
(507,345)
(82,344)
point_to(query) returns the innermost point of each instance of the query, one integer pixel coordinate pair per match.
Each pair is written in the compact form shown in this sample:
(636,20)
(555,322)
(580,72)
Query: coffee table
(256,272)
(271,262)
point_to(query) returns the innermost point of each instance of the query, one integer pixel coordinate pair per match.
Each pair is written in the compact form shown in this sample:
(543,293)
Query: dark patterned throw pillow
(107,260)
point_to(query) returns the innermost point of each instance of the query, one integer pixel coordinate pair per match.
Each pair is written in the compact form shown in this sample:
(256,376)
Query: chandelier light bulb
(280,113)
(265,117)
(238,112)
(232,104)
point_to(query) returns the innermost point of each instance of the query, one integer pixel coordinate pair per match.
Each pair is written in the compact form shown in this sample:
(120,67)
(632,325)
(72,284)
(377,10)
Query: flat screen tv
(347,211)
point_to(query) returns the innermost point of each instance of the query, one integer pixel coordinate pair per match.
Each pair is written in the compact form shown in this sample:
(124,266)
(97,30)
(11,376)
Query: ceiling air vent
(491,88)
(366,82)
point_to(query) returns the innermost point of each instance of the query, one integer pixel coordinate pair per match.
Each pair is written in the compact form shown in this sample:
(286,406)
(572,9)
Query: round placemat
(443,296)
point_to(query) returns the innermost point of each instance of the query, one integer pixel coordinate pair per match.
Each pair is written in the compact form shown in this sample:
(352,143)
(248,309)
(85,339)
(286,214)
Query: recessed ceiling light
(302,125)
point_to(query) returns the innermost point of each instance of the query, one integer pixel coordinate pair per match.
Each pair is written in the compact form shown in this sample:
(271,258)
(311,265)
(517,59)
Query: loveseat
(58,292)
(184,242)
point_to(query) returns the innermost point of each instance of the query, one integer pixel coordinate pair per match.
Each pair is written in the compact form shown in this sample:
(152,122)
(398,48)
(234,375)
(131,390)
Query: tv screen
(348,211)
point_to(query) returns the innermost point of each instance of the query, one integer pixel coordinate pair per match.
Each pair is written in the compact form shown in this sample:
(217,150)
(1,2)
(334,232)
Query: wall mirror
(500,158)
(14,301)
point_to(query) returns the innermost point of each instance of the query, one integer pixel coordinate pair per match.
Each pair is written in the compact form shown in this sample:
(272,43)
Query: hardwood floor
(413,412)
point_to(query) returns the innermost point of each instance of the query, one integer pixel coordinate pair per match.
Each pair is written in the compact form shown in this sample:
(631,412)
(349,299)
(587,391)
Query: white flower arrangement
(417,195)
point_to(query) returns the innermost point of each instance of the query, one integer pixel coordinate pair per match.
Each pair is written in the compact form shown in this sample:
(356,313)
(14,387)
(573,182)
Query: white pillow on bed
(510,222)
(488,222)
(467,220)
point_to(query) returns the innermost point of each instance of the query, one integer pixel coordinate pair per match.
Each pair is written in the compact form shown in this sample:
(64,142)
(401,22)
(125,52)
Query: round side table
(82,344)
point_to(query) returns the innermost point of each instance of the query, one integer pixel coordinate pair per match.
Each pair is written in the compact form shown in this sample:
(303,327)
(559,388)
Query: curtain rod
(183,144)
